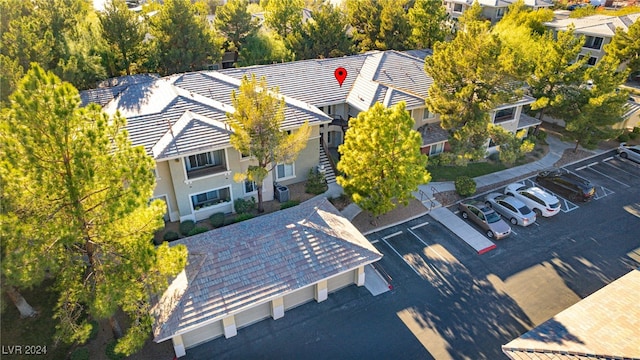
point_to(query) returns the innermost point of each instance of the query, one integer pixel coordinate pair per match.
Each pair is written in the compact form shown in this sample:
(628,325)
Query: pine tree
(381,160)
(183,40)
(283,16)
(256,124)
(123,32)
(469,82)
(625,47)
(235,23)
(322,37)
(600,105)
(427,19)
(76,205)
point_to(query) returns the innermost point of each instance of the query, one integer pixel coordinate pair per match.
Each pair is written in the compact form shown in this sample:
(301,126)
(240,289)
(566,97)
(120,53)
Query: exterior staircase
(325,164)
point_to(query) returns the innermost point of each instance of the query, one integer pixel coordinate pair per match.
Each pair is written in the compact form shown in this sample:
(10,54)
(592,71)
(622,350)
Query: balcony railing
(209,170)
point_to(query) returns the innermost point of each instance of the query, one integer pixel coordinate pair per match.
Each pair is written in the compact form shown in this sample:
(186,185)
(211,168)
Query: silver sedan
(511,208)
(486,218)
(631,152)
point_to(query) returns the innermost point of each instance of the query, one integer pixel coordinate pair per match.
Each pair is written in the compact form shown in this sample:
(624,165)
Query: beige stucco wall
(164,187)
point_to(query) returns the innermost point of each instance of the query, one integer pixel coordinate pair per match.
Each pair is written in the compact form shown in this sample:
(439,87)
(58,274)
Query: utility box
(281,192)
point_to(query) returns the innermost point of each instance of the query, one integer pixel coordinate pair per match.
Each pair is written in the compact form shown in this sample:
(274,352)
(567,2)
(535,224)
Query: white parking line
(513,232)
(581,168)
(607,159)
(619,169)
(401,257)
(375,241)
(392,235)
(420,225)
(607,176)
(427,245)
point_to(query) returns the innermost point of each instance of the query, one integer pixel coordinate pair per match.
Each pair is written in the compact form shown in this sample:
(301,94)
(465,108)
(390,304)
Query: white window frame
(593,40)
(244,187)
(499,11)
(193,206)
(439,148)
(210,157)
(457,11)
(293,171)
(427,115)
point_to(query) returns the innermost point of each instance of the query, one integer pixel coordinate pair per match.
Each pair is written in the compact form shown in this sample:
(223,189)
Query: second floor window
(457,8)
(205,163)
(505,114)
(593,42)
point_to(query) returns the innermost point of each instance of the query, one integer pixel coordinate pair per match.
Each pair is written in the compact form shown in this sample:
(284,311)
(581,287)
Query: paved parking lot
(447,301)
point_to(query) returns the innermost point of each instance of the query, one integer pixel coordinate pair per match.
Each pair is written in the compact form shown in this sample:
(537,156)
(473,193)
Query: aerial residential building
(598,31)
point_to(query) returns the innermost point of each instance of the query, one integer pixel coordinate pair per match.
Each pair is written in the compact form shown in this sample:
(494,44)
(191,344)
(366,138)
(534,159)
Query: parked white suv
(540,201)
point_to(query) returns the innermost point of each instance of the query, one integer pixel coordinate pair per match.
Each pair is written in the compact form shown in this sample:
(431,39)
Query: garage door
(203,334)
(340,281)
(253,315)
(299,297)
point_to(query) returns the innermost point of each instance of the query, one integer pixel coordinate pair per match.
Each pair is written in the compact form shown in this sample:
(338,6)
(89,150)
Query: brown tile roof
(605,325)
(239,266)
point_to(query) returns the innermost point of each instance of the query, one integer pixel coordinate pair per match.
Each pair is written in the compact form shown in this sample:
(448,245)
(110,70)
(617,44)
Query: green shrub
(465,186)
(633,135)
(170,236)
(243,217)
(494,156)
(244,206)
(288,204)
(541,137)
(316,183)
(624,137)
(187,226)
(197,230)
(217,219)
(80,354)
(636,130)
(111,351)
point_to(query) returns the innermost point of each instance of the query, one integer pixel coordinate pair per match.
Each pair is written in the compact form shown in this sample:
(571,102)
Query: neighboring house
(598,31)
(492,10)
(260,268)
(604,325)
(181,122)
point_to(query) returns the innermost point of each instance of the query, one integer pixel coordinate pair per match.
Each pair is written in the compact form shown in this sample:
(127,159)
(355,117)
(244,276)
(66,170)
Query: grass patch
(450,173)
(37,331)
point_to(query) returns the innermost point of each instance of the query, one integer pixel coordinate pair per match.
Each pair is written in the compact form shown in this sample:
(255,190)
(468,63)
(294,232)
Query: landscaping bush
(187,226)
(465,186)
(243,217)
(633,135)
(244,206)
(170,236)
(624,137)
(111,351)
(316,183)
(288,204)
(217,219)
(197,230)
(636,130)
(80,354)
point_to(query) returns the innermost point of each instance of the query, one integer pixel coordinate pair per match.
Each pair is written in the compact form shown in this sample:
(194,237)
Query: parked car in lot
(538,200)
(631,152)
(486,218)
(567,184)
(511,208)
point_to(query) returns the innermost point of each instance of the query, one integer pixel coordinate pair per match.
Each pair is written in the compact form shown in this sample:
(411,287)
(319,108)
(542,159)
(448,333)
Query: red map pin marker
(340,74)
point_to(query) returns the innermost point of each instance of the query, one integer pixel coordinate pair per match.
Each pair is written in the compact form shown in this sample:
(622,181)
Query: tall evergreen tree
(235,23)
(469,82)
(124,32)
(600,105)
(427,19)
(381,160)
(364,17)
(324,36)
(183,40)
(256,124)
(625,47)
(76,205)
(283,16)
